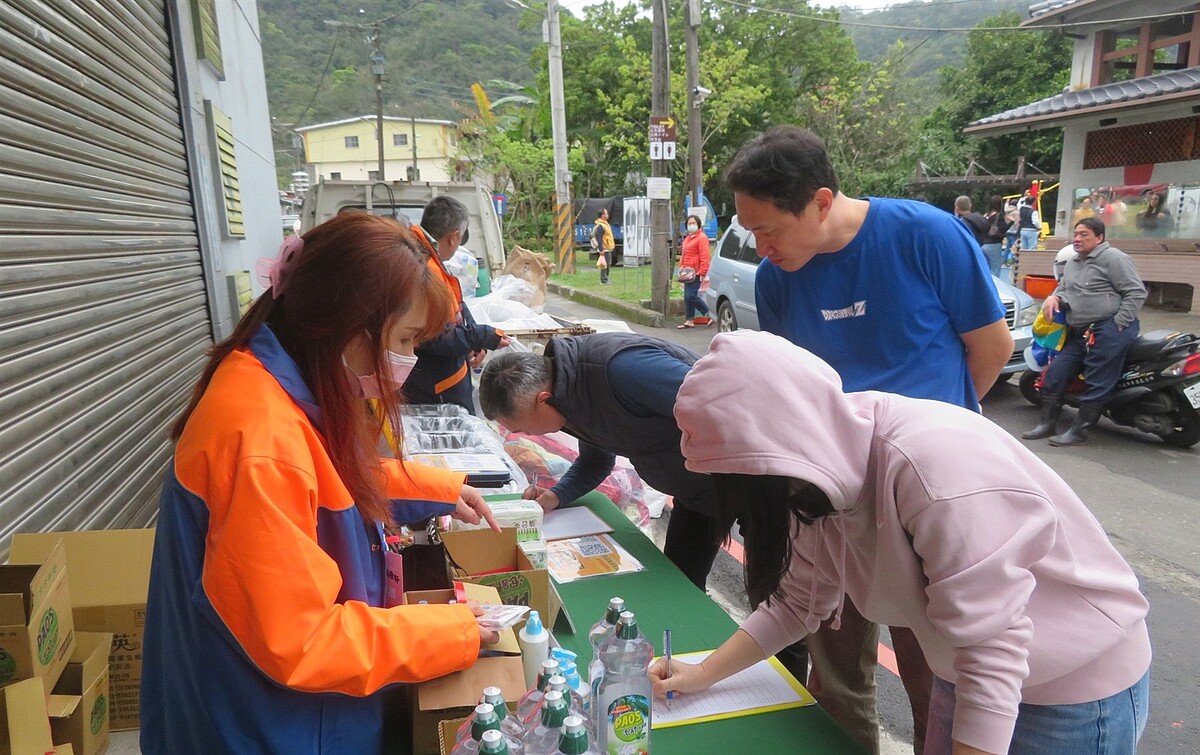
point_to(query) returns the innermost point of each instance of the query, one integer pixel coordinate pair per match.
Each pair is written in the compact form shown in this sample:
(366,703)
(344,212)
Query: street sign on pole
(662,137)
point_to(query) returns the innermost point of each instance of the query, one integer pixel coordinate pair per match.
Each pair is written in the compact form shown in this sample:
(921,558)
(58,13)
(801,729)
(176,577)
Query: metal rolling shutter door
(103,312)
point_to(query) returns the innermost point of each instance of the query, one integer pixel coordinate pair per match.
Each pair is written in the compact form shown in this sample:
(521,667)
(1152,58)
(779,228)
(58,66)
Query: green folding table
(663,598)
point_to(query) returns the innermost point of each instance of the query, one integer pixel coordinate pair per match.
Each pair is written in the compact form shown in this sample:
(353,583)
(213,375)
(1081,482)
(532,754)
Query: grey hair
(963,204)
(510,380)
(444,215)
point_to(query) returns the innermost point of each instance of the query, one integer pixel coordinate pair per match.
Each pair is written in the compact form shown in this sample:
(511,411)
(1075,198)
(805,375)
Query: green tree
(1002,70)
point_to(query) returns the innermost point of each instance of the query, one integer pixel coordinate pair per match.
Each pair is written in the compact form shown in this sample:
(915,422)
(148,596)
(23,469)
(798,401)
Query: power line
(958,30)
(328,63)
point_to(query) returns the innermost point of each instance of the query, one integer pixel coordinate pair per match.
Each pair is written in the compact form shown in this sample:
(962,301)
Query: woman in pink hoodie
(927,516)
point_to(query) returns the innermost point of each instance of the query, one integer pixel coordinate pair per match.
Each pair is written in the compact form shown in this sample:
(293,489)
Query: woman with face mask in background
(266,626)
(694,256)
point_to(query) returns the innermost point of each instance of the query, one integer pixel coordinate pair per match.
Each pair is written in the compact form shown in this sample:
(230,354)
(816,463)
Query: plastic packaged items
(531,698)
(483,721)
(535,647)
(557,683)
(574,739)
(508,723)
(624,700)
(543,738)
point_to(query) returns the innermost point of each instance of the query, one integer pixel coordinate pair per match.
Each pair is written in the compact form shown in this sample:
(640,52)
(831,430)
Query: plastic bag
(463,266)
(602,261)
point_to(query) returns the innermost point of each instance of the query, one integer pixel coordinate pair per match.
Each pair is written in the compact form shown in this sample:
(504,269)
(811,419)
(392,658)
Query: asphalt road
(1146,495)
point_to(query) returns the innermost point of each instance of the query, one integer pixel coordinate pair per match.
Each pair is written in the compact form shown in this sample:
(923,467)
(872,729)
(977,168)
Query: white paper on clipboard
(563,523)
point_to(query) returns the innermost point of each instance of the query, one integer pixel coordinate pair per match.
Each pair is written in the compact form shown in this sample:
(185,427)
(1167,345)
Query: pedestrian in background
(1030,224)
(605,244)
(997,229)
(694,257)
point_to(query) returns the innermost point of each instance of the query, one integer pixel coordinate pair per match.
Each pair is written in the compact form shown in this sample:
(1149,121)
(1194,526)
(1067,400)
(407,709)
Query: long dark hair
(356,273)
(766,509)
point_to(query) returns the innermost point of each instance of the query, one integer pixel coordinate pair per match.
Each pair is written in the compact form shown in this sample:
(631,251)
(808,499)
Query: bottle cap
(555,710)
(533,625)
(493,743)
(615,607)
(558,683)
(627,627)
(573,724)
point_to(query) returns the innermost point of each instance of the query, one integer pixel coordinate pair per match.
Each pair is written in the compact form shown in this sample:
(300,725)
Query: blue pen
(667,654)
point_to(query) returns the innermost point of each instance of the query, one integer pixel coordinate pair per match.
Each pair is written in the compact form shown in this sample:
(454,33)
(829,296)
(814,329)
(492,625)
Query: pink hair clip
(273,273)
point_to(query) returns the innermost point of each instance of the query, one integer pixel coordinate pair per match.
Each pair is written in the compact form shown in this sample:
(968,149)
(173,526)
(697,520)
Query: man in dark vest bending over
(615,392)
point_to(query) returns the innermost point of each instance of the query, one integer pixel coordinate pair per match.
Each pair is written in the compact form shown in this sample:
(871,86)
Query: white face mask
(400,366)
(692,227)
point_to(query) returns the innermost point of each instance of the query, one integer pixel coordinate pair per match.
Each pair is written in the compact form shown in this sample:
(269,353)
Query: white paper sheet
(760,688)
(576,521)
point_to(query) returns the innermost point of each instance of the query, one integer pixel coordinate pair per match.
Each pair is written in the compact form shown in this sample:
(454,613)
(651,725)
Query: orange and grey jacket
(441,375)
(265,626)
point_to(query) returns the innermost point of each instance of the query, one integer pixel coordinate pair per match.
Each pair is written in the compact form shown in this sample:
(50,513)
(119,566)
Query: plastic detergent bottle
(543,738)
(535,646)
(493,744)
(559,684)
(574,739)
(581,694)
(483,721)
(623,704)
(509,723)
(527,704)
(599,634)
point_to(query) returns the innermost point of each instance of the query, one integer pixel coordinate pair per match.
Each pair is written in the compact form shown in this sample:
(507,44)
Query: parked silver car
(730,294)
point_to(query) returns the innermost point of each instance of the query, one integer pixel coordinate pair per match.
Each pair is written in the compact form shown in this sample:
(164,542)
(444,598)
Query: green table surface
(661,597)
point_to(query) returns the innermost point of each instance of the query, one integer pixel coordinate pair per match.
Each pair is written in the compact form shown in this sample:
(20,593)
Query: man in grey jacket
(1101,294)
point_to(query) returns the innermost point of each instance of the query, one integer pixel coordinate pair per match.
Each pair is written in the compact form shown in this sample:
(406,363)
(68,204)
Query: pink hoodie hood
(750,369)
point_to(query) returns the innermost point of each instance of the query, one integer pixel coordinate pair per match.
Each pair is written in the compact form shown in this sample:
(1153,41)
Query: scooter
(1158,393)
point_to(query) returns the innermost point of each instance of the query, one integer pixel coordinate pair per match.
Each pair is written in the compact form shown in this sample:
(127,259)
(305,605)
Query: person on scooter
(1101,294)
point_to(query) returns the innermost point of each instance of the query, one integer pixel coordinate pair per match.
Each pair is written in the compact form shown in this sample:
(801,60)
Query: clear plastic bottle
(483,721)
(574,739)
(558,683)
(543,738)
(531,699)
(622,708)
(493,743)
(509,723)
(581,694)
(599,634)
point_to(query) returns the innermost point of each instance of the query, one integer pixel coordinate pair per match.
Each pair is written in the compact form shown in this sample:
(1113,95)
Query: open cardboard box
(495,559)
(456,695)
(24,726)
(37,634)
(78,706)
(109,576)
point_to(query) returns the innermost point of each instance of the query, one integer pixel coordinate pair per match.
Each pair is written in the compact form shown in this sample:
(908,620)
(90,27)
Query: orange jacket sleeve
(276,589)
(411,480)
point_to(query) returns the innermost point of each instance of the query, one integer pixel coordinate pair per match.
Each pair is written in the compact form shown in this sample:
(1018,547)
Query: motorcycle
(1159,390)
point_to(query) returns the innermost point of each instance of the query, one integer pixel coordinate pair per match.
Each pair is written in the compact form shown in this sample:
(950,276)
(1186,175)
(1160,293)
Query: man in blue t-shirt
(896,296)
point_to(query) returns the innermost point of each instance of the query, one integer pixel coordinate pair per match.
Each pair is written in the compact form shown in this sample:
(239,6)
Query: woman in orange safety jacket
(266,628)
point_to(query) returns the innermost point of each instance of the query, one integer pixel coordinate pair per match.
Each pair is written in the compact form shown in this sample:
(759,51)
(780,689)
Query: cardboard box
(37,633)
(480,552)
(24,728)
(78,706)
(456,695)
(447,730)
(109,574)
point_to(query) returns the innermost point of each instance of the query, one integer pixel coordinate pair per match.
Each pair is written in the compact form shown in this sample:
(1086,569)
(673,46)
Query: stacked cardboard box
(78,707)
(37,633)
(109,576)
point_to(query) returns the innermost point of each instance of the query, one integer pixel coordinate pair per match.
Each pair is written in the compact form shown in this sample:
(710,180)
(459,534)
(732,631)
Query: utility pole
(377,69)
(695,139)
(564,236)
(660,209)
(416,170)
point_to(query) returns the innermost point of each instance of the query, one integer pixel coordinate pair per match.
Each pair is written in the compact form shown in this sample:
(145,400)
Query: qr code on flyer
(591,546)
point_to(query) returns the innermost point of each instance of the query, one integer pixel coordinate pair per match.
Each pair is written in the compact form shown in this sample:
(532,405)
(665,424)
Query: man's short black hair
(601,211)
(784,166)
(444,215)
(1095,225)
